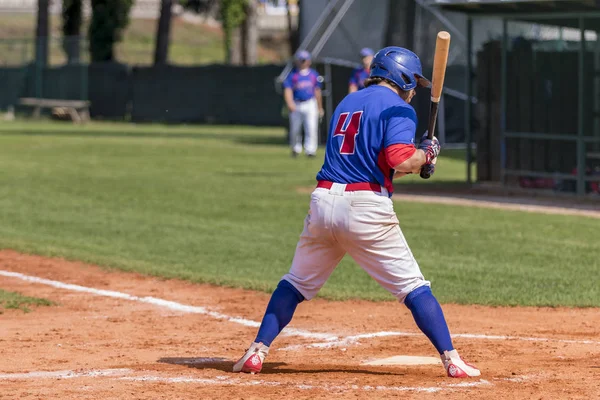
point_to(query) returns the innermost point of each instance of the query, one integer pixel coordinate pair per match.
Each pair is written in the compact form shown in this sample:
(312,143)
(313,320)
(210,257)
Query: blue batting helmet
(302,55)
(366,52)
(400,66)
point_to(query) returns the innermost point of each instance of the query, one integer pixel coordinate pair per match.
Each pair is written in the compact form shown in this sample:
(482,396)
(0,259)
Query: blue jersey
(358,77)
(303,85)
(363,125)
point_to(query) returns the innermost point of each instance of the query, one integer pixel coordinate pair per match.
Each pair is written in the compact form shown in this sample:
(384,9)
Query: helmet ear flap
(405,79)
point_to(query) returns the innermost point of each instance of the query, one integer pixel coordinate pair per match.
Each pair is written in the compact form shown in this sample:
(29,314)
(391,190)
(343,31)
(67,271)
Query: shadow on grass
(254,174)
(278,140)
(249,139)
(222,364)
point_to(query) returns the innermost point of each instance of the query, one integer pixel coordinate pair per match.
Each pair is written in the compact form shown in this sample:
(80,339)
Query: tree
(240,25)
(233,14)
(109,19)
(72,16)
(249,34)
(293,32)
(42,33)
(207,7)
(239,19)
(163,31)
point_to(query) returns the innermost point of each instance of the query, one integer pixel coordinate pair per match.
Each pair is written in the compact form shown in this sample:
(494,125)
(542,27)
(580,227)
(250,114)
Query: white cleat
(456,367)
(252,361)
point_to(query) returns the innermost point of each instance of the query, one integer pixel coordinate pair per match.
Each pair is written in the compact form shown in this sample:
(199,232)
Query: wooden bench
(78,110)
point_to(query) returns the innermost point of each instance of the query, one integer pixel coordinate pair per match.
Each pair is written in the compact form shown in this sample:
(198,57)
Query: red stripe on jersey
(396,154)
(388,172)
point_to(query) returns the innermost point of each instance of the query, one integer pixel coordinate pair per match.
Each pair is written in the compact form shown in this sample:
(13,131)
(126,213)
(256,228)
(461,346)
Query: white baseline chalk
(350,340)
(94,373)
(171,305)
(329,340)
(126,374)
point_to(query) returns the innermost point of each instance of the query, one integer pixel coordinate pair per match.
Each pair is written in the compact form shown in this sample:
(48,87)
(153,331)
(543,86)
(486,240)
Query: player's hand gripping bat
(442,45)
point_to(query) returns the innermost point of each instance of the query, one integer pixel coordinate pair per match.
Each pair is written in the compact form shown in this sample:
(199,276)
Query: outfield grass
(16,301)
(220,205)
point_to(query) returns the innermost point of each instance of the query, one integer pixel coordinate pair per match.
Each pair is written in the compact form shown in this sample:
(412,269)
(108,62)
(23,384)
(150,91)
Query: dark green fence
(208,94)
(216,94)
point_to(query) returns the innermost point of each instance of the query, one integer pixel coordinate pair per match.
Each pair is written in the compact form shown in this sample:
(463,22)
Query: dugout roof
(507,7)
(584,15)
(561,12)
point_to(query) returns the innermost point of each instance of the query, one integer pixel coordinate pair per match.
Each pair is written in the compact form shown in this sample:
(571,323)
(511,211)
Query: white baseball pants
(307,113)
(362,224)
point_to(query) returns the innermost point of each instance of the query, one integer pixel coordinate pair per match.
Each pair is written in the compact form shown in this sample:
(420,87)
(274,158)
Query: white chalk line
(355,339)
(349,340)
(484,202)
(125,374)
(220,381)
(171,305)
(330,340)
(94,373)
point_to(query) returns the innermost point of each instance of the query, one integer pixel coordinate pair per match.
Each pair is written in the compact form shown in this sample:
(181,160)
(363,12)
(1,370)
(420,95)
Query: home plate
(405,360)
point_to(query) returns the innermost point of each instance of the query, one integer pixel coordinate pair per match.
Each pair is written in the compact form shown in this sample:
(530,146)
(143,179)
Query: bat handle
(433,112)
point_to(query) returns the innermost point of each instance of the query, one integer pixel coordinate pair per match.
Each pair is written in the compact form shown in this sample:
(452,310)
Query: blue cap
(366,52)
(302,55)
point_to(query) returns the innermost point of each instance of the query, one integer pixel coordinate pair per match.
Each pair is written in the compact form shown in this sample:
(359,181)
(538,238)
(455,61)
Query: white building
(141,8)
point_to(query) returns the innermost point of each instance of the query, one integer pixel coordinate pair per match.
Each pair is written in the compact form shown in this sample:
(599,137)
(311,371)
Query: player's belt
(352,187)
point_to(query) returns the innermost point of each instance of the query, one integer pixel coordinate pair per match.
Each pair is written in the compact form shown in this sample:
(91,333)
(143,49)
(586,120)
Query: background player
(371,136)
(360,75)
(302,95)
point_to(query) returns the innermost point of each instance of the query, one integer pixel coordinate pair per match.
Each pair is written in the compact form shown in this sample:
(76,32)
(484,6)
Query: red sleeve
(396,154)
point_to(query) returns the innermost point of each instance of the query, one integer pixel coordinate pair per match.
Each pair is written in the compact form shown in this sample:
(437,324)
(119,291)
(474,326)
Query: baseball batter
(302,95)
(371,141)
(360,75)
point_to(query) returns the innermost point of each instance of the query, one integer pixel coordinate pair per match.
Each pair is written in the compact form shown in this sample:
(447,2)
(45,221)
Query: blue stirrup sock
(429,317)
(280,311)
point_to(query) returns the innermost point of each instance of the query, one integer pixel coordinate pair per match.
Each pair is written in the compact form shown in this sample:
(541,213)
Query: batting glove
(431,147)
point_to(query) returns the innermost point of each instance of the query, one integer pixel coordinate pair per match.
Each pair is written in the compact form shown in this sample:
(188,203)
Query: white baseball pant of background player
(362,224)
(307,113)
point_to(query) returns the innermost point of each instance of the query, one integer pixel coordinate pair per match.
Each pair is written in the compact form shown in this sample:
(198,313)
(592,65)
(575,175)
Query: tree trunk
(42,33)
(72,18)
(250,34)
(161,52)
(234,53)
(293,31)
(109,19)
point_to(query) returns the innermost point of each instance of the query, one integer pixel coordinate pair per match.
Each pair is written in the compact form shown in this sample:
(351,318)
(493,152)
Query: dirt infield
(118,335)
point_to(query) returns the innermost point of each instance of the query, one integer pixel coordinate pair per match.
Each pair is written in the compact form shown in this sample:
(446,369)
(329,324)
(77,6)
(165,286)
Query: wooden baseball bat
(442,46)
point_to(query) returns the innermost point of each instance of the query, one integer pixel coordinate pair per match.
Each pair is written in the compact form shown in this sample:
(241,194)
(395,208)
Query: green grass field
(16,301)
(220,204)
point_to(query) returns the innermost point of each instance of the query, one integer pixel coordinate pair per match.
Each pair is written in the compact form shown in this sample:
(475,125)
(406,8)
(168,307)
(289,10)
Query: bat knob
(427,170)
